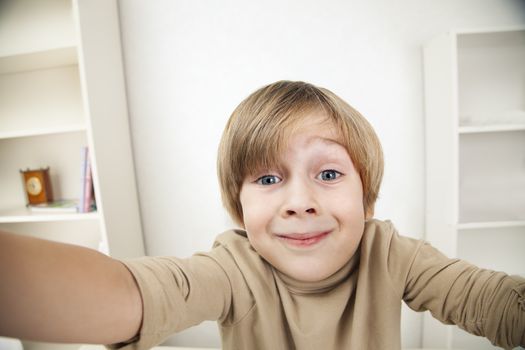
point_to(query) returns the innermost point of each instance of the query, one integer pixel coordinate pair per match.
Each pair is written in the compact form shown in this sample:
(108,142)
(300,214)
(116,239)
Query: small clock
(37,186)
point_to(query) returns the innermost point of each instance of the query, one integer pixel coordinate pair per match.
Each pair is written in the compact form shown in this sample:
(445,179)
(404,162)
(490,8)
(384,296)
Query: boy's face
(306,218)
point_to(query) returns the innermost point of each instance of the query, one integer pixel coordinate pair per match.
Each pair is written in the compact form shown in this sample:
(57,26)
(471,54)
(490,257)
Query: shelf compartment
(29,26)
(61,152)
(51,58)
(490,76)
(501,248)
(54,96)
(492,177)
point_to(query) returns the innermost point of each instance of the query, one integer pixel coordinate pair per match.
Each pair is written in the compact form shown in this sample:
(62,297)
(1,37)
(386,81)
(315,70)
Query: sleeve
(482,302)
(177,294)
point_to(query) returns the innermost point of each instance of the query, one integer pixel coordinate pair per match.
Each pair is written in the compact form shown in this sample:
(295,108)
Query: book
(88,187)
(58,206)
(83,164)
(87,200)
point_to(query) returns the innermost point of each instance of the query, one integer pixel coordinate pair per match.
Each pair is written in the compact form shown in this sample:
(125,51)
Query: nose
(299,200)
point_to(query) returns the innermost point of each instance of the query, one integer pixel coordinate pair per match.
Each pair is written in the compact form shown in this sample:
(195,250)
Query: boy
(300,171)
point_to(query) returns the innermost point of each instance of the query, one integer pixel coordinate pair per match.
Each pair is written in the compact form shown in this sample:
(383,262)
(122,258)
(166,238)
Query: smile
(303,239)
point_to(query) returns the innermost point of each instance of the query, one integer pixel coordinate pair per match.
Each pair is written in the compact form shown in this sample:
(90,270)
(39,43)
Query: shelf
(489,225)
(488,30)
(62,88)
(475,149)
(56,57)
(43,131)
(25,215)
(491,128)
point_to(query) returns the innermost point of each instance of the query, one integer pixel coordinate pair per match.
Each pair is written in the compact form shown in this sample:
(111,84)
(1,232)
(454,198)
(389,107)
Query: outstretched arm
(482,302)
(63,293)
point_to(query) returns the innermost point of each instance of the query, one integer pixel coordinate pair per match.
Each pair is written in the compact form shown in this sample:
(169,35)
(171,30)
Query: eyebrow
(325,140)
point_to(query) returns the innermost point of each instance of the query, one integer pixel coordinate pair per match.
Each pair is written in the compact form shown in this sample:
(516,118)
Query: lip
(303,239)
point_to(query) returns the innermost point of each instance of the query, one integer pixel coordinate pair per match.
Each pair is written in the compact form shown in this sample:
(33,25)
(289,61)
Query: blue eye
(268,180)
(329,175)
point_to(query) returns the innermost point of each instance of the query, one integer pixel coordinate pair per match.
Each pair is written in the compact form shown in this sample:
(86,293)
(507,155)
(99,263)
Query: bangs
(267,140)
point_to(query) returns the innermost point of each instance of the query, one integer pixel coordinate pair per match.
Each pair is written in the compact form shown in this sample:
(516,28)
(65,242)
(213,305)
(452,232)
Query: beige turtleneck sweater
(359,307)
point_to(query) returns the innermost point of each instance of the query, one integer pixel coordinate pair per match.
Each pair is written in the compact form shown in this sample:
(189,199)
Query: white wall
(189,63)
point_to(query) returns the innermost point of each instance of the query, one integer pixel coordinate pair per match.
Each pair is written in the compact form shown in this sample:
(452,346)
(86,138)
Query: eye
(329,175)
(268,180)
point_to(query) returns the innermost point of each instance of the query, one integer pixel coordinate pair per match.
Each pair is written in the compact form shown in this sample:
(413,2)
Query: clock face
(34,186)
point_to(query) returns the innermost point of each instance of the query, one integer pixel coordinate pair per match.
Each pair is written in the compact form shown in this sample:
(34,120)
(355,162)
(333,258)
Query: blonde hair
(256,133)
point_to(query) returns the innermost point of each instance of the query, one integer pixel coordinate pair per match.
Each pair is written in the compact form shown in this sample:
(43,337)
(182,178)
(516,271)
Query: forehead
(314,128)
(298,132)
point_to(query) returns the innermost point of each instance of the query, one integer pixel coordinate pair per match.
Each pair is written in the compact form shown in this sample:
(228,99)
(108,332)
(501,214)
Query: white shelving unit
(475,151)
(62,88)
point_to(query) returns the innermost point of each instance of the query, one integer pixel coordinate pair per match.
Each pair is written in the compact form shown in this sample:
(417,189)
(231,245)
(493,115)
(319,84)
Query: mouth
(303,239)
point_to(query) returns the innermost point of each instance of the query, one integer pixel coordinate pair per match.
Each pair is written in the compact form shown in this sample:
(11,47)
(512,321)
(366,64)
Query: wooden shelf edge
(17,62)
(42,132)
(70,46)
(490,224)
(25,216)
(488,30)
(491,128)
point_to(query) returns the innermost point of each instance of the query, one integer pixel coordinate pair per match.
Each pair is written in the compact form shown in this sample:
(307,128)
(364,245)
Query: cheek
(347,202)
(355,196)
(252,209)
(255,224)
(256,217)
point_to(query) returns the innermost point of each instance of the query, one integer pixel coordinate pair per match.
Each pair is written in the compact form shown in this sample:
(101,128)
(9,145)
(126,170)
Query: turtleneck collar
(327,284)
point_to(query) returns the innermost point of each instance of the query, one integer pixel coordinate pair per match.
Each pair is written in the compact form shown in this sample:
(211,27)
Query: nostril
(290,212)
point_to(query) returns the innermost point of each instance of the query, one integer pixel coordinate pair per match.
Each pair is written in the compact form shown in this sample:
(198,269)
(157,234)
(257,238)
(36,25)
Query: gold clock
(34,186)
(37,186)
